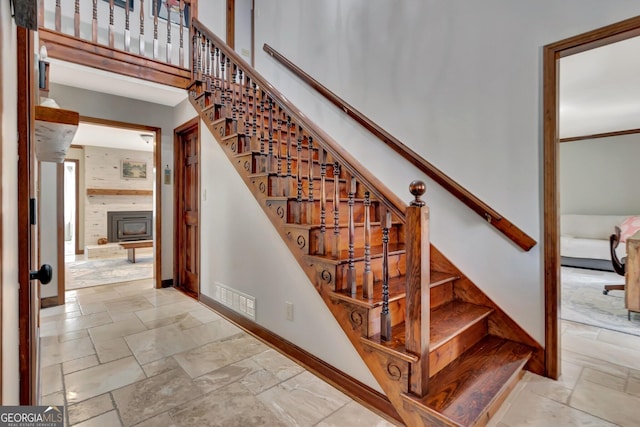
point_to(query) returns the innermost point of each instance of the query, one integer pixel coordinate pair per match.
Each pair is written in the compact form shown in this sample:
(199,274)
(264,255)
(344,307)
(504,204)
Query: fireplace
(127,226)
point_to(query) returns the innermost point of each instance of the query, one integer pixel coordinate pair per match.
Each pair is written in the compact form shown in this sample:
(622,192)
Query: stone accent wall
(102,170)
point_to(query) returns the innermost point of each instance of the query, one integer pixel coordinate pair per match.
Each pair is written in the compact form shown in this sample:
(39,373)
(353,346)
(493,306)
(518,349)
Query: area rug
(584,302)
(104,271)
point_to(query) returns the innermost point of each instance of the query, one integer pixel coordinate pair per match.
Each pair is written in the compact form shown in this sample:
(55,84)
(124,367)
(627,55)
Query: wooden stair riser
(397,267)
(440,357)
(310,211)
(311,238)
(441,294)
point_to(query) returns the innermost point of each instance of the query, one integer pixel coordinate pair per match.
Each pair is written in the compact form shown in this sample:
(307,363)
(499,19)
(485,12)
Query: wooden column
(417,302)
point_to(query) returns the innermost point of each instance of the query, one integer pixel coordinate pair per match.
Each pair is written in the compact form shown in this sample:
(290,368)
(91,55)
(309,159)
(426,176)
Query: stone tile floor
(130,355)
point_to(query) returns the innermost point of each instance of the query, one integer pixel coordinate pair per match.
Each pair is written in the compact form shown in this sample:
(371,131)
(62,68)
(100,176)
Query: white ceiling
(105,136)
(600,90)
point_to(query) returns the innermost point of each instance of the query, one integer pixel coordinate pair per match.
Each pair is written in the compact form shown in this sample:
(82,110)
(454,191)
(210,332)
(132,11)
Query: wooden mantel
(54,129)
(117,192)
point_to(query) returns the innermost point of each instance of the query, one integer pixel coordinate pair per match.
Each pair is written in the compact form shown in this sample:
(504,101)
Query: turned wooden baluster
(168,50)
(367,276)
(112,28)
(234,99)
(278,144)
(351,272)
(127,30)
(94,22)
(223,94)
(207,65)
(241,119)
(246,111)
(385,317)
(298,213)
(254,135)
(181,49)
(229,89)
(262,128)
(270,155)
(288,181)
(141,40)
(310,204)
(335,252)
(216,76)
(76,19)
(58,20)
(322,158)
(418,279)
(155,29)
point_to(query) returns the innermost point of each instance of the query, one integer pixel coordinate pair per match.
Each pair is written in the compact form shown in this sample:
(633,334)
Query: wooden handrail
(355,168)
(515,234)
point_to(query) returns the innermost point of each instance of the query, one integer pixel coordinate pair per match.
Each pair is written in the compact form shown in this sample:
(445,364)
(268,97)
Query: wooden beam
(78,51)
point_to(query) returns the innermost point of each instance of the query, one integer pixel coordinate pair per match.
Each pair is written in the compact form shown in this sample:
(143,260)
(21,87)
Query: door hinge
(32,211)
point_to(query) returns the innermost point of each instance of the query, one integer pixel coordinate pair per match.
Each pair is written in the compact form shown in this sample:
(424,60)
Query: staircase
(443,352)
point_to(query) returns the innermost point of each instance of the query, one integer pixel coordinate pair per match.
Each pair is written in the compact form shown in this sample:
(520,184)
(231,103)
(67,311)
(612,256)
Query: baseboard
(49,302)
(355,389)
(167,283)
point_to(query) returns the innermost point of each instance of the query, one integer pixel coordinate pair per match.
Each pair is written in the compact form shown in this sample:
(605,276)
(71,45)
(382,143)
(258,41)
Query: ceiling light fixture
(146,137)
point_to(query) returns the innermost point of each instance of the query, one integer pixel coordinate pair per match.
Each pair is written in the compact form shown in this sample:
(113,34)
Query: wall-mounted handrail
(511,231)
(377,188)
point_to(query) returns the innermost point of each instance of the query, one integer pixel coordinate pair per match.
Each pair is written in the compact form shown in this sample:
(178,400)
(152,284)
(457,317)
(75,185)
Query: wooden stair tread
(451,318)
(466,389)
(395,346)
(440,278)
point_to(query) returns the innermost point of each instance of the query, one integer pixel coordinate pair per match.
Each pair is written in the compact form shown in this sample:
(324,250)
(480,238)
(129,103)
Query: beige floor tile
(51,379)
(353,414)
(532,410)
(84,322)
(79,364)
(82,333)
(117,329)
(581,330)
(620,339)
(303,400)
(162,420)
(59,309)
(633,386)
(570,374)
(154,395)
(159,343)
(113,349)
(548,388)
(67,350)
(602,350)
(109,419)
(226,375)
(212,331)
(183,321)
(93,307)
(53,399)
(205,315)
(280,366)
(230,406)
(611,405)
(217,354)
(128,304)
(90,408)
(603,379)
(168,310)
(119,317)
(591,362)
(91,382)
(160,366)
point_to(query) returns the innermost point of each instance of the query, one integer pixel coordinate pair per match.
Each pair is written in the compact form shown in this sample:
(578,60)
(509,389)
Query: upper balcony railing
(147,39)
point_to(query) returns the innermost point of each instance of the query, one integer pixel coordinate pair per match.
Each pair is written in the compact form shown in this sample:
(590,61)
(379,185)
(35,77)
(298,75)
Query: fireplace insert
(127,226)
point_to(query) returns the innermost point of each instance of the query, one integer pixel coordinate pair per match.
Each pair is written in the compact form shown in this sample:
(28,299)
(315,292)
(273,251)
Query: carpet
(104,271)
(583,301)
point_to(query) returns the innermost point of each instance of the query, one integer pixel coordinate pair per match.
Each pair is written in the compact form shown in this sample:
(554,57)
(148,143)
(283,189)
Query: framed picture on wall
(163,7)
(133,169)
(123,3)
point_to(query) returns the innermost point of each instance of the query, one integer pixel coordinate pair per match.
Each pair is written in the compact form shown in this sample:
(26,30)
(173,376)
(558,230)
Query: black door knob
(43,275)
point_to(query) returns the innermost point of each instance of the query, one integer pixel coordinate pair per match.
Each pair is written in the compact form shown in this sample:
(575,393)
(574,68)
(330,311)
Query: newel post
(418,279)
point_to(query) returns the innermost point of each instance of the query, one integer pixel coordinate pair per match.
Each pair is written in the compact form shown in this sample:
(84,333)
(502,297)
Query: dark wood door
(188,207)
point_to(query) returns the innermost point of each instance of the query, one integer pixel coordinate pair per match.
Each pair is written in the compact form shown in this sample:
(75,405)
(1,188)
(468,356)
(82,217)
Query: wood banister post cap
(417,188)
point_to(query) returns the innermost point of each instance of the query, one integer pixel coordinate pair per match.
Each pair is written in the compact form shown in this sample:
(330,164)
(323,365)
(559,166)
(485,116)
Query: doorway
(551,56)
(187,203)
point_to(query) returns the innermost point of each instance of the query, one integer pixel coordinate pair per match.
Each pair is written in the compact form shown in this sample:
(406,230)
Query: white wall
(242,36)
(10,368)
(241,249)
(100,105)
(213,14)
(78,154)
(597,176)
(48,225)
(460,83)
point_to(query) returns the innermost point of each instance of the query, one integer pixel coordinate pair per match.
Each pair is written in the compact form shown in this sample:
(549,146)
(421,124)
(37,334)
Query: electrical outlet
(289,306)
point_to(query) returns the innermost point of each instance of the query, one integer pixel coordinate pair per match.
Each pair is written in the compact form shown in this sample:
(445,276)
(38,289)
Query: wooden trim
(551,54)
(73,49)
(231,23)
(167,283)
(516,235)
(355,389)
(600,135)
(60,232)
(157,158)
(77,196)
(25,107)
(117,192)
(49,302)
(350,164)
(1,217)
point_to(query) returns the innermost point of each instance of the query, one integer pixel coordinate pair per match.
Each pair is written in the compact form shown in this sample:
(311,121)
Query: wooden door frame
(157,165)
(177,195)
(76,246)
(551,55)
(25,111)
